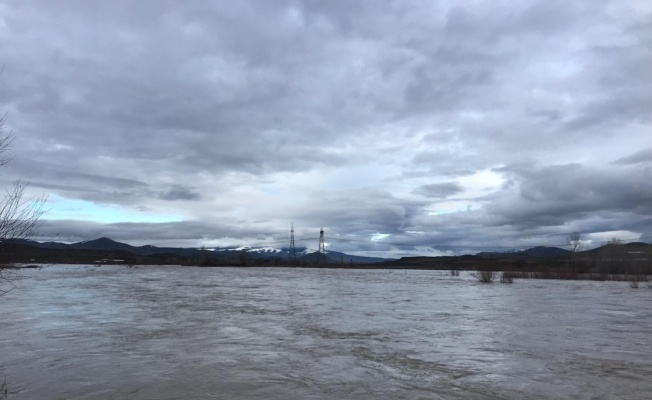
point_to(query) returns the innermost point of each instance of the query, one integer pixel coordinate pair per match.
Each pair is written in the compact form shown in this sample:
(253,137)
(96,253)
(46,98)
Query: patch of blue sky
(59,208)
(443,212)
(378,236)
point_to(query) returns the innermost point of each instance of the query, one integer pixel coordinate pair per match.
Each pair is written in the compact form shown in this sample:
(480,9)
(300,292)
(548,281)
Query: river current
(114,332)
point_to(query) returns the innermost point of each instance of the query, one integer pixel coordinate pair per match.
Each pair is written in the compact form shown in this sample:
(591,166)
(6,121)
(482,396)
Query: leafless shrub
(507,277)
(455,272)
(485,275)
(204,258)
(243,257)
(575,245)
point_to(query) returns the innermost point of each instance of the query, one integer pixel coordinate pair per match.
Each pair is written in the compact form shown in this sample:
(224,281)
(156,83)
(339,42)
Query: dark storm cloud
(553,195)
(360,212)
(179,192)
(260,113)
(143,233)
(100,188)
(49,172)
(440,190)
(642,156)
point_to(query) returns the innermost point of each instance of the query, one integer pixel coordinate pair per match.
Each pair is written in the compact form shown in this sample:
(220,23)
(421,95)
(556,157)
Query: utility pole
(293,251)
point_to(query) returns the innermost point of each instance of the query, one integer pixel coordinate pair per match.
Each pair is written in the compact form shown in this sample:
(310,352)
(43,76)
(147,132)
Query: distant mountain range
(539,251)
(108,249)
(542,251)
(108,245)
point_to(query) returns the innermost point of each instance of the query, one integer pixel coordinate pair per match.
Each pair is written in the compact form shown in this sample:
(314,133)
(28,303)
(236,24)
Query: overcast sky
(402,128)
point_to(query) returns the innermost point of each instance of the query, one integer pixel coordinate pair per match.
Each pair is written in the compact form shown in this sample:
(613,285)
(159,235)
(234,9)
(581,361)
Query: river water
(113,332)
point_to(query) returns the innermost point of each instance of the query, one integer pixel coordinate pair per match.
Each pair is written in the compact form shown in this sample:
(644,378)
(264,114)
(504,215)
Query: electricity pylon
(293,250)
(322,249)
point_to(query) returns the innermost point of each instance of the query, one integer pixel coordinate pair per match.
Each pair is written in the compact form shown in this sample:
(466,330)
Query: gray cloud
(332,113)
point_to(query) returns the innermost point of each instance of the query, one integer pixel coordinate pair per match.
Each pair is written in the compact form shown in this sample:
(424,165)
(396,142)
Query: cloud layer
(402,127)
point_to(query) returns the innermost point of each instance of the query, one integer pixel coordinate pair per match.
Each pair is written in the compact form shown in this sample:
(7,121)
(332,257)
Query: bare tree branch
(575,243)
(20,216)
(6,139)
(576,246)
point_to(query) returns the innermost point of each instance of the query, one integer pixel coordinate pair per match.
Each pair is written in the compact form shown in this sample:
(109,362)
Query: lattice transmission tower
(322,249)
(293,251)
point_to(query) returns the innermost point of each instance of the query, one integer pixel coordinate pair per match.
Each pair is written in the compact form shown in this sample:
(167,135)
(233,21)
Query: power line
(457,246)
(321,239)
(460,246)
